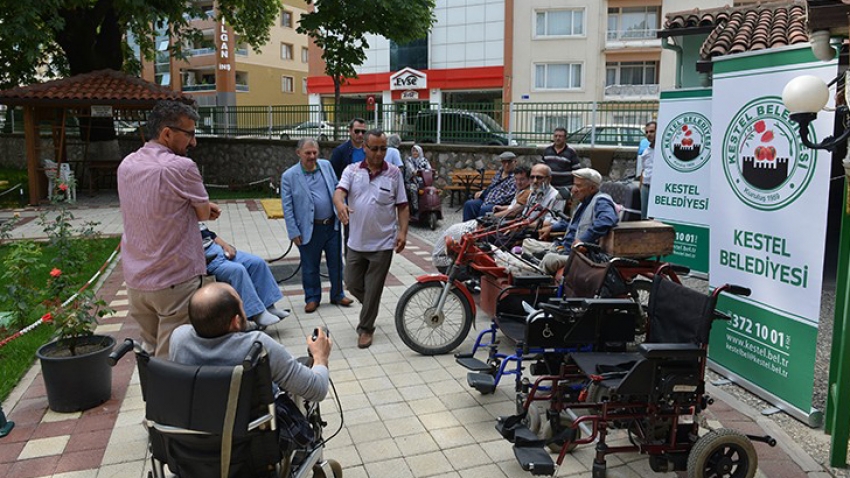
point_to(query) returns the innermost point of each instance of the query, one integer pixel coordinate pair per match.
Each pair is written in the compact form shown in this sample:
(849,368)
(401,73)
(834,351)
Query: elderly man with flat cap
(594,216)
(501,190)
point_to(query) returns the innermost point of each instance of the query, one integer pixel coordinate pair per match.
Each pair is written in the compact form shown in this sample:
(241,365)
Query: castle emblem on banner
(686,142)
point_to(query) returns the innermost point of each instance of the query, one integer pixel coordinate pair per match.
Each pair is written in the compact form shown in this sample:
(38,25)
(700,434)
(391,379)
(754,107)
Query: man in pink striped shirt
(162,199)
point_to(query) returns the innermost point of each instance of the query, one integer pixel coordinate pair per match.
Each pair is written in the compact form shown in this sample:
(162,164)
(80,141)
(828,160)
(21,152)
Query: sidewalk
(406,415)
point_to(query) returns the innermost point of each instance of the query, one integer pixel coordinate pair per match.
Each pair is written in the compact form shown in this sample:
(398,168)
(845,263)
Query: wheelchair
(655,394)
(220,421)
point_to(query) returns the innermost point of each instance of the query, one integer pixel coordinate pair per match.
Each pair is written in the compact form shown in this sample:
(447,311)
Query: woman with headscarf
(412,180)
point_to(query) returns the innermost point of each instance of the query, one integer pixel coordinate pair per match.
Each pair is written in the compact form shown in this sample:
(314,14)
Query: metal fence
(522,123)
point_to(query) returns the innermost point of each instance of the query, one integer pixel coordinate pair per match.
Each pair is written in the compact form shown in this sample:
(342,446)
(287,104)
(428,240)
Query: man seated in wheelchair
(218,336)
(594,216)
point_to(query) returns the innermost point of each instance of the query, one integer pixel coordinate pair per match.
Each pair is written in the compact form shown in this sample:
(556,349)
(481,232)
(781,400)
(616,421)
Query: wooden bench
(465,181)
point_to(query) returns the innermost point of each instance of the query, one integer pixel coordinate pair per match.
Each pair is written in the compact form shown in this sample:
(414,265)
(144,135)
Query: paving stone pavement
(405,415)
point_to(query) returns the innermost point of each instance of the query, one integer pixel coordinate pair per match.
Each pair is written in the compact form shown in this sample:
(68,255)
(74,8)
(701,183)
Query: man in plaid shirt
(501,190)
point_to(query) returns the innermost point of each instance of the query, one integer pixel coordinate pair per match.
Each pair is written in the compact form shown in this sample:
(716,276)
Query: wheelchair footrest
(471,363)
(483,382)
(535,460)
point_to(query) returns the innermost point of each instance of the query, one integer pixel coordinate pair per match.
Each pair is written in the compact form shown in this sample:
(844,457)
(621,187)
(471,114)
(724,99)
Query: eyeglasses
(188,133)
(537,177)
(375,149)
(359,131)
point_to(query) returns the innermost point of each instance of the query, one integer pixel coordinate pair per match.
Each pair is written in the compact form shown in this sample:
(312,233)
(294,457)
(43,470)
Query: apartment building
(461,61)
(222,70)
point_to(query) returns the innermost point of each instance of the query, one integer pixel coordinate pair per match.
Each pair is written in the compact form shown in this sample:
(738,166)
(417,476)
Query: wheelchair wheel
(724,453)
(336,469)
(429,331)
(639,292)
(533,418)
(546,432)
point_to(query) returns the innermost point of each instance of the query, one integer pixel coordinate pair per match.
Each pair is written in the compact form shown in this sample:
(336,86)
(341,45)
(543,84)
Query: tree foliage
(49,38)
(340,27)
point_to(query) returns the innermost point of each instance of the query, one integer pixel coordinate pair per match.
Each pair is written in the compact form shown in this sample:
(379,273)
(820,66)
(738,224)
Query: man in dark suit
(312,223)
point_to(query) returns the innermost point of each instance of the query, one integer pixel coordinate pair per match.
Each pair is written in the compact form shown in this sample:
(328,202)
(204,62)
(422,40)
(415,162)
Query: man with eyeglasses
(352,150)
(162,199)
(500,191)
(377,215)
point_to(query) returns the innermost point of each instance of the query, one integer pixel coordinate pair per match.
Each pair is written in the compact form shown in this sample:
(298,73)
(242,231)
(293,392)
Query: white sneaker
(280,313)
(265,319)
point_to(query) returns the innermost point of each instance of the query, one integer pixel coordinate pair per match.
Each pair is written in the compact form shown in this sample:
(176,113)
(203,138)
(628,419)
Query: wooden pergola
(91,98)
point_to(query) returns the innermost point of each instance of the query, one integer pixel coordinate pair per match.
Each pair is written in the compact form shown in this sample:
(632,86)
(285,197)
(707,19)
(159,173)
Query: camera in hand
(316,332)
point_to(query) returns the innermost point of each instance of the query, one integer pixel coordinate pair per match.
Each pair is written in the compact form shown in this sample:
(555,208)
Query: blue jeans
(249,275)
(644,200)
(475,208)
(327,240)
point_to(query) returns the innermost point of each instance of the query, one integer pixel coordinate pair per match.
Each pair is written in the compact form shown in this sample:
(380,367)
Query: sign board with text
(681,173)
(408,79)
(768,223)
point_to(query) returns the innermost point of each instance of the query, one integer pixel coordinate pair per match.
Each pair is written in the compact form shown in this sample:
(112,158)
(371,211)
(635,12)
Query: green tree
(339,28)
(49,38)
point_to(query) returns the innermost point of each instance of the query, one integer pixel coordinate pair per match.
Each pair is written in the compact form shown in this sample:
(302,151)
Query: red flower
(63,187)
(47,317)
(55,272)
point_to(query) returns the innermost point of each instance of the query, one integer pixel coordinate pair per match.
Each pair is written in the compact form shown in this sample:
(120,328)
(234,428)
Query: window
(285,51)
(287,84)
(546,124)
(632,23)
(286,19)
(304,85)
(631,73)
(305,54)
(557,76)
(413,55)
(560,23)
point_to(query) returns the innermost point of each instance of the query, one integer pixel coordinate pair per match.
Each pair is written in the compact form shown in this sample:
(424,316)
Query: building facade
(222,70)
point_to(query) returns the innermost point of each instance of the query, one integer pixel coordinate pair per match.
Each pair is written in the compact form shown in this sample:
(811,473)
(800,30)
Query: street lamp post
(804,97)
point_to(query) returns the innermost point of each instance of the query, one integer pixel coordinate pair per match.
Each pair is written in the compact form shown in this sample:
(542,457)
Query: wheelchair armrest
(530,281)
(656,351)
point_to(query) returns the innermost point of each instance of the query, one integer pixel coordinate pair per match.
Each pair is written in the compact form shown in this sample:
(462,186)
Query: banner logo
(686,142)
(763,158)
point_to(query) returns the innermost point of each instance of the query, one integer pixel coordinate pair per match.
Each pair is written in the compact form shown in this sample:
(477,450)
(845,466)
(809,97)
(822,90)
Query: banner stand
(813,418)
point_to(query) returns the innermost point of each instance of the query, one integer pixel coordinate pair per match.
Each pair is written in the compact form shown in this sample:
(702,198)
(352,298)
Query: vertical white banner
(768,222)
(681,174)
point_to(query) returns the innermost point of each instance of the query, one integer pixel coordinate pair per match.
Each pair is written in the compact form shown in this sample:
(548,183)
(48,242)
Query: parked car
(607,135)
(458,126)
(320,130)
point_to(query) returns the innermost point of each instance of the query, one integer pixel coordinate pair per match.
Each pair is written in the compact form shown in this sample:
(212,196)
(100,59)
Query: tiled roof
(743,28)
(105,87)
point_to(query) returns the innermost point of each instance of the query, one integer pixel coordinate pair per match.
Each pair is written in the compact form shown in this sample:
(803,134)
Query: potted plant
(76,373)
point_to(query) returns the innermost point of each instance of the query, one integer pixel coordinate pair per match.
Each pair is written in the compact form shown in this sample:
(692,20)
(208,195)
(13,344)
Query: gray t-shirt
(230,349)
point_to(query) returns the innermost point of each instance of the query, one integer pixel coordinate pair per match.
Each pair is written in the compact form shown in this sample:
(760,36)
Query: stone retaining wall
(243,160)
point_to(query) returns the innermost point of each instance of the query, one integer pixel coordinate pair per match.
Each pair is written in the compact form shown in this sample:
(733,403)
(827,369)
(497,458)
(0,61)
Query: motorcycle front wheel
(429,331)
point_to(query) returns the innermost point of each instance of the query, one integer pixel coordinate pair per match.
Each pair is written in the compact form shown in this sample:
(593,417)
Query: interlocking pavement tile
(451,437)
(51,416)
(125,452)
(434,421)
(416,444)
(123,470)
(79,460)
(395,468)
(92,473)
(40,447)
(35,467)
(119,303)
(373,450)
(104,329)
(428,464)
(88,440)
(468,456)
(20,434)
(92,422)
(52,429)
(486,471)
(9,451)
(404,426)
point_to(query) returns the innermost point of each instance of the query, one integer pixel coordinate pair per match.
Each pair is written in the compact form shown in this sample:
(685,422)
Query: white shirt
(646,160)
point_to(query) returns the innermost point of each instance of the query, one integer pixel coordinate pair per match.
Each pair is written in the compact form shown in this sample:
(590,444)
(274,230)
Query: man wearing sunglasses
(352,150)
(162,199)
(377,214)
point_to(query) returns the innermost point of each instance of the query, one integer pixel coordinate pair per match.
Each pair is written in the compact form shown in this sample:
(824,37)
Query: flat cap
(507,156)
(589,174)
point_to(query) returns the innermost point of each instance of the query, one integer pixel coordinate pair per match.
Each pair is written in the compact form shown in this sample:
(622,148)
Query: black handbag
(295,430)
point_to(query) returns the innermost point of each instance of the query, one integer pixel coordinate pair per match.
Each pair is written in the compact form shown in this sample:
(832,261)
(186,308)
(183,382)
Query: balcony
(241,87)
(199,87)
(200,51)
(632,38)
(632,92)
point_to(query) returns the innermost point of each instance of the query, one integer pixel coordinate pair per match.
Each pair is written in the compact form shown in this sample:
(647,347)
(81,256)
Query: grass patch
(18,355)
(12,177)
